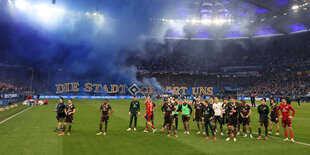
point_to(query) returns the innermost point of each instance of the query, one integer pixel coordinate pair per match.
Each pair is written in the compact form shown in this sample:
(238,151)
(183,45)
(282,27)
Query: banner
(249,98)
(105,89)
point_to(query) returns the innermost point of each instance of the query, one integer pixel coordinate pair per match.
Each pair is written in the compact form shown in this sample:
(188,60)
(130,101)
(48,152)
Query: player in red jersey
(149,114)
(286,118)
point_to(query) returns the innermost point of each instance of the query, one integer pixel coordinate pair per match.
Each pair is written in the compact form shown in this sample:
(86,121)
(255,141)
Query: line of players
(207,114)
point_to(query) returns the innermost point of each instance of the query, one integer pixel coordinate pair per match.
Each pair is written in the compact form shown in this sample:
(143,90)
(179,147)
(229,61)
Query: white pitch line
(15,115)
(306,144)
(302,143)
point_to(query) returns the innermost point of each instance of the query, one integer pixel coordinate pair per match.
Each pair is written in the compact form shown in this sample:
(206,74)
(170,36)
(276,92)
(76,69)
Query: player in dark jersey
(271,98)
(245,116)
(69,110)
(233,112)
(176,114)
(186,111)
(162,106)
(225,113)
(134,111)
(263,111)
(104,113)
(60,110)
(274,118)
(169,110)
(198,106)
(253,100)
(208,114)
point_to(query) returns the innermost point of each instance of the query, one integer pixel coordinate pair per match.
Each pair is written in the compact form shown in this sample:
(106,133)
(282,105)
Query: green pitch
(32,132)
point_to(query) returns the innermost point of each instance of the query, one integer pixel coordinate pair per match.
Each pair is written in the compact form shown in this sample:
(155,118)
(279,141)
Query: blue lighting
(203,34)
(261,10)
(280,2)
(297,27)
(266,30)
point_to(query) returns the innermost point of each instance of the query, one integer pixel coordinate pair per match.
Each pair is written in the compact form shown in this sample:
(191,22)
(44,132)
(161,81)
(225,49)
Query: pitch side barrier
(249,98)
(94,97)
(8,98)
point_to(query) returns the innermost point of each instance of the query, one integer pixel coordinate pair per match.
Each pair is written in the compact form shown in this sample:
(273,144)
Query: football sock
(291,133)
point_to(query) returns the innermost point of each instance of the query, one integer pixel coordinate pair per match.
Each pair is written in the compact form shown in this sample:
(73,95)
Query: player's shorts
(168,119)
(105,118)
(233,122)
(287,122)
(274,119)
(240,119)
(225,119)
(185,118)
(262,122)
(198,117)
(149,117)
(246,121)
(60,117)
(69,119)
(218,119)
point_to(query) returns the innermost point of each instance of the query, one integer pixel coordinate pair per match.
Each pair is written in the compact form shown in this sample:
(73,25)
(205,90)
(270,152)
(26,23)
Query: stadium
(154,77)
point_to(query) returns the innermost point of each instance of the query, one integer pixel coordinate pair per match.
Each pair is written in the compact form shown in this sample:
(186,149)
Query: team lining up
(207,114)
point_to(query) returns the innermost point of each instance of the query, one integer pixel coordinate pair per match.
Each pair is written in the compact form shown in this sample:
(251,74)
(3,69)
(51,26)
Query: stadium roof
(207,19)
(222,19)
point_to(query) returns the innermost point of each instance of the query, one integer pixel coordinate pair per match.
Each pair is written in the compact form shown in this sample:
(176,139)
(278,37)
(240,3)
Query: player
(186,111)
(134,111)
(150,107)
(286,118)
(218,114)
(263,111)
(298,99)
(239,119)
(211,102)
(253,100)
(233,112)
(104,113)
(274,117)
(69,111)
(245,116)
(169,110)
(198,115)
(208,114)
(162,109)
(176,114)
(60,110)
(225,113)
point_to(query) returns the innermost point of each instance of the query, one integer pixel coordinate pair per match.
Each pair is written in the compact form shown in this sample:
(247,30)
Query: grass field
(32,132)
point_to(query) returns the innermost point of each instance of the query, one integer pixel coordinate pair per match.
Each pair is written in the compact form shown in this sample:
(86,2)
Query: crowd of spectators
(12,87)
(281,53)
(262,66)
(280,83)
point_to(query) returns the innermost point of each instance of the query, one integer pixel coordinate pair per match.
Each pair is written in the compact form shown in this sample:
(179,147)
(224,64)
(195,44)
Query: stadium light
(295,7)
(22,5)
